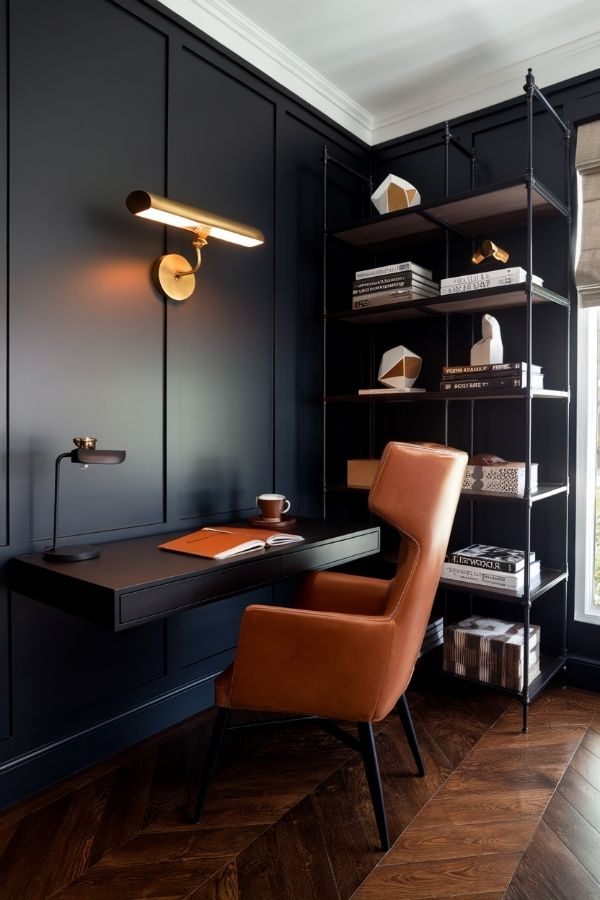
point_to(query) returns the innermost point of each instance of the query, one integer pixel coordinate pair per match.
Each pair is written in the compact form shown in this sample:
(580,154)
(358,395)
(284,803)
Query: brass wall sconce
(85,454)
(172,273)
(489,250)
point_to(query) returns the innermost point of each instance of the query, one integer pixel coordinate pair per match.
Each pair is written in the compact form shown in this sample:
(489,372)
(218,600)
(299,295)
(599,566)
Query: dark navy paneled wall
(215,399)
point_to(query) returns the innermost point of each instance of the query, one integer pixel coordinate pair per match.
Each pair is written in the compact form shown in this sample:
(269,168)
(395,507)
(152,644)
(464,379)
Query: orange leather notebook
(221,543)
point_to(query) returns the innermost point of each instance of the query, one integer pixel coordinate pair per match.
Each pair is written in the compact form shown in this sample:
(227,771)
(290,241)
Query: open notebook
(221,543)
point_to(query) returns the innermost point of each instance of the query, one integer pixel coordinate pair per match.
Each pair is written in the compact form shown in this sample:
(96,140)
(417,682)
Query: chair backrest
(416,490)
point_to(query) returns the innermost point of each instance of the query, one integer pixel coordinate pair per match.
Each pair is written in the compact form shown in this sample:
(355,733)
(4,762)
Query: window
(587,276)
(587,561)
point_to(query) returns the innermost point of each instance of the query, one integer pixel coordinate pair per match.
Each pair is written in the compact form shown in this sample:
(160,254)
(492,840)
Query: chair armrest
(339,592)
(310,662)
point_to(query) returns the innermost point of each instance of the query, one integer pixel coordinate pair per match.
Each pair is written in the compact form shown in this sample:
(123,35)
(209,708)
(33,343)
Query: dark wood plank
(440,878)
(539,736)
(554,706)
(21,875)
(576,833)
(288,860)
(343,811)
(460,808)
(439,717)
(199,722)
(159,880)
(587,765)
(549,869)
(422,844)
(591,740)
(582,796)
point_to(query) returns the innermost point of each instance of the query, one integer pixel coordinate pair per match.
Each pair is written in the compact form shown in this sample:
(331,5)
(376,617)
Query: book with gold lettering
(225,541)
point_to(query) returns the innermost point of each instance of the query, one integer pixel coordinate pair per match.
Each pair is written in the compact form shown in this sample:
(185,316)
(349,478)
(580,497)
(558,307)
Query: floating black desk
(133,582)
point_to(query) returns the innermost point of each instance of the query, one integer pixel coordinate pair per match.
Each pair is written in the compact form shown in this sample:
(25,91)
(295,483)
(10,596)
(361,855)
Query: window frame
(588,322)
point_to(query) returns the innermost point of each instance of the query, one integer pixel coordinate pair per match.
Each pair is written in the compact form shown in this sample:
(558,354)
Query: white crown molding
(229,27)
(550,67)
(239,34)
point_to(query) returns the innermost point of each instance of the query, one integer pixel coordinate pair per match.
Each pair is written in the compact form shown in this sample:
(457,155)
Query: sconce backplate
(165,272)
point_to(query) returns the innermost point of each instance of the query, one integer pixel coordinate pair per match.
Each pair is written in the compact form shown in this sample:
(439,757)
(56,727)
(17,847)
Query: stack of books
(486,279)
(395,283)
(485,565)
(491,377)
(491,650)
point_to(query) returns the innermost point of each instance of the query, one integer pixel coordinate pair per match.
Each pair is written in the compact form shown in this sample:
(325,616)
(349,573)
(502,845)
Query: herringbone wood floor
(499,813)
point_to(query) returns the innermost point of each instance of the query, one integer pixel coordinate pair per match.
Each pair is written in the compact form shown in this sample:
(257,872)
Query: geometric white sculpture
(399,368)
(489,349)
(394,193)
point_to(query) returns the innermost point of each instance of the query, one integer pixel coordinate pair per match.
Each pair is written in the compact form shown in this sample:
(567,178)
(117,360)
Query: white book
(392,390)
(484,282)
(393,267)
(514,272)
(384,298)
(487,578)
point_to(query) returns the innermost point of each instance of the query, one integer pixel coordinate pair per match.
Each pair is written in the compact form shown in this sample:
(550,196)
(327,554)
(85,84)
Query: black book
(507,368)
(488,556)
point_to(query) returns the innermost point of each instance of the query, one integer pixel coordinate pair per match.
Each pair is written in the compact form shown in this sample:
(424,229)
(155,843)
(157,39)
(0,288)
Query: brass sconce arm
(170,269)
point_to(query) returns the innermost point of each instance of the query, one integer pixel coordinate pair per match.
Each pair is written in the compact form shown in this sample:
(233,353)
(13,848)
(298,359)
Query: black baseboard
(583,673)
(25,775)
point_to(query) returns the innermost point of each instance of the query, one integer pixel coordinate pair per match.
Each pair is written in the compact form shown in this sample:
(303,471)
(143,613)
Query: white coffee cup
(272,506)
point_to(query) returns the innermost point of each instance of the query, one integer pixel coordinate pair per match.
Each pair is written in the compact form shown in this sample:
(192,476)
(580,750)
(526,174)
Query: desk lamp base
(73,553)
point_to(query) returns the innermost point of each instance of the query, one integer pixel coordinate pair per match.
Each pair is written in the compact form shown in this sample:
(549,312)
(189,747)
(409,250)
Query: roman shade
(587,163)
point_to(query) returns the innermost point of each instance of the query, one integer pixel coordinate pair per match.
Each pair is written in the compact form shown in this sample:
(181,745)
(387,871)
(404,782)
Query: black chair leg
(369,755)
(409,730)
(216,740)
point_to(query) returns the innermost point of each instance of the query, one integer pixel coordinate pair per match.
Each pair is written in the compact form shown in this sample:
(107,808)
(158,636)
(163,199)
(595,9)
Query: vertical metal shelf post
(533,92)
(328,160)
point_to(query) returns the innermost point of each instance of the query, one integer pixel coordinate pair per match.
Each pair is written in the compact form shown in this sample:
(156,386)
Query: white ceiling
(389,67)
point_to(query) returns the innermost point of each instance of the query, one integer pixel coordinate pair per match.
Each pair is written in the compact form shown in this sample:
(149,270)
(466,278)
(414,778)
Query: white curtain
(587,163)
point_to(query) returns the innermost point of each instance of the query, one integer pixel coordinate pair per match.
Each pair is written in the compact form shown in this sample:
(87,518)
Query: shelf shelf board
(501,205)
(508,394)
(542,492)
(549,667)
(506,296)
(549,578)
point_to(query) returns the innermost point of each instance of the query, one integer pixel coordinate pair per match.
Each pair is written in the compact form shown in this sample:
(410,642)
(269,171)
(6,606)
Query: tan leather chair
(347,650)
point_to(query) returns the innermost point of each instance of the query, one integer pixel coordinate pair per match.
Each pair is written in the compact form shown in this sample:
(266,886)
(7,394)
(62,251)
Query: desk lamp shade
(85,454)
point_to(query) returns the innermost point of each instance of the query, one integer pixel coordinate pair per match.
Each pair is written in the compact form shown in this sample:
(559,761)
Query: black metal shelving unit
(521,202)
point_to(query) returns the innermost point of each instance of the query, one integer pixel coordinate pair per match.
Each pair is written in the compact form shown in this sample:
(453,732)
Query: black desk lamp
(85,454)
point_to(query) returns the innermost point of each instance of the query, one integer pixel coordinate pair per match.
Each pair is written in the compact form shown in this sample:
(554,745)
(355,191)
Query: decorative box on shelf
(491,651)
(361,472)
(505,478)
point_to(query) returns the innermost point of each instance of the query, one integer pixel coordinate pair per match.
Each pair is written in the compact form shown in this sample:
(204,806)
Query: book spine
(486,578)
(382,298)
(487,384)
(393,267)
(402,279)
(492,274)
(495,379)
(491,367)
(481,562)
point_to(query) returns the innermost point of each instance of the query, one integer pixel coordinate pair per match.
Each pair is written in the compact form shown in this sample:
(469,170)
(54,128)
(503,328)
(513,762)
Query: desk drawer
(332,554)
(180,595)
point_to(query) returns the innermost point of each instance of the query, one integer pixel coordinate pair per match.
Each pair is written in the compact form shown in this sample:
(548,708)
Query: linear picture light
(172,273)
